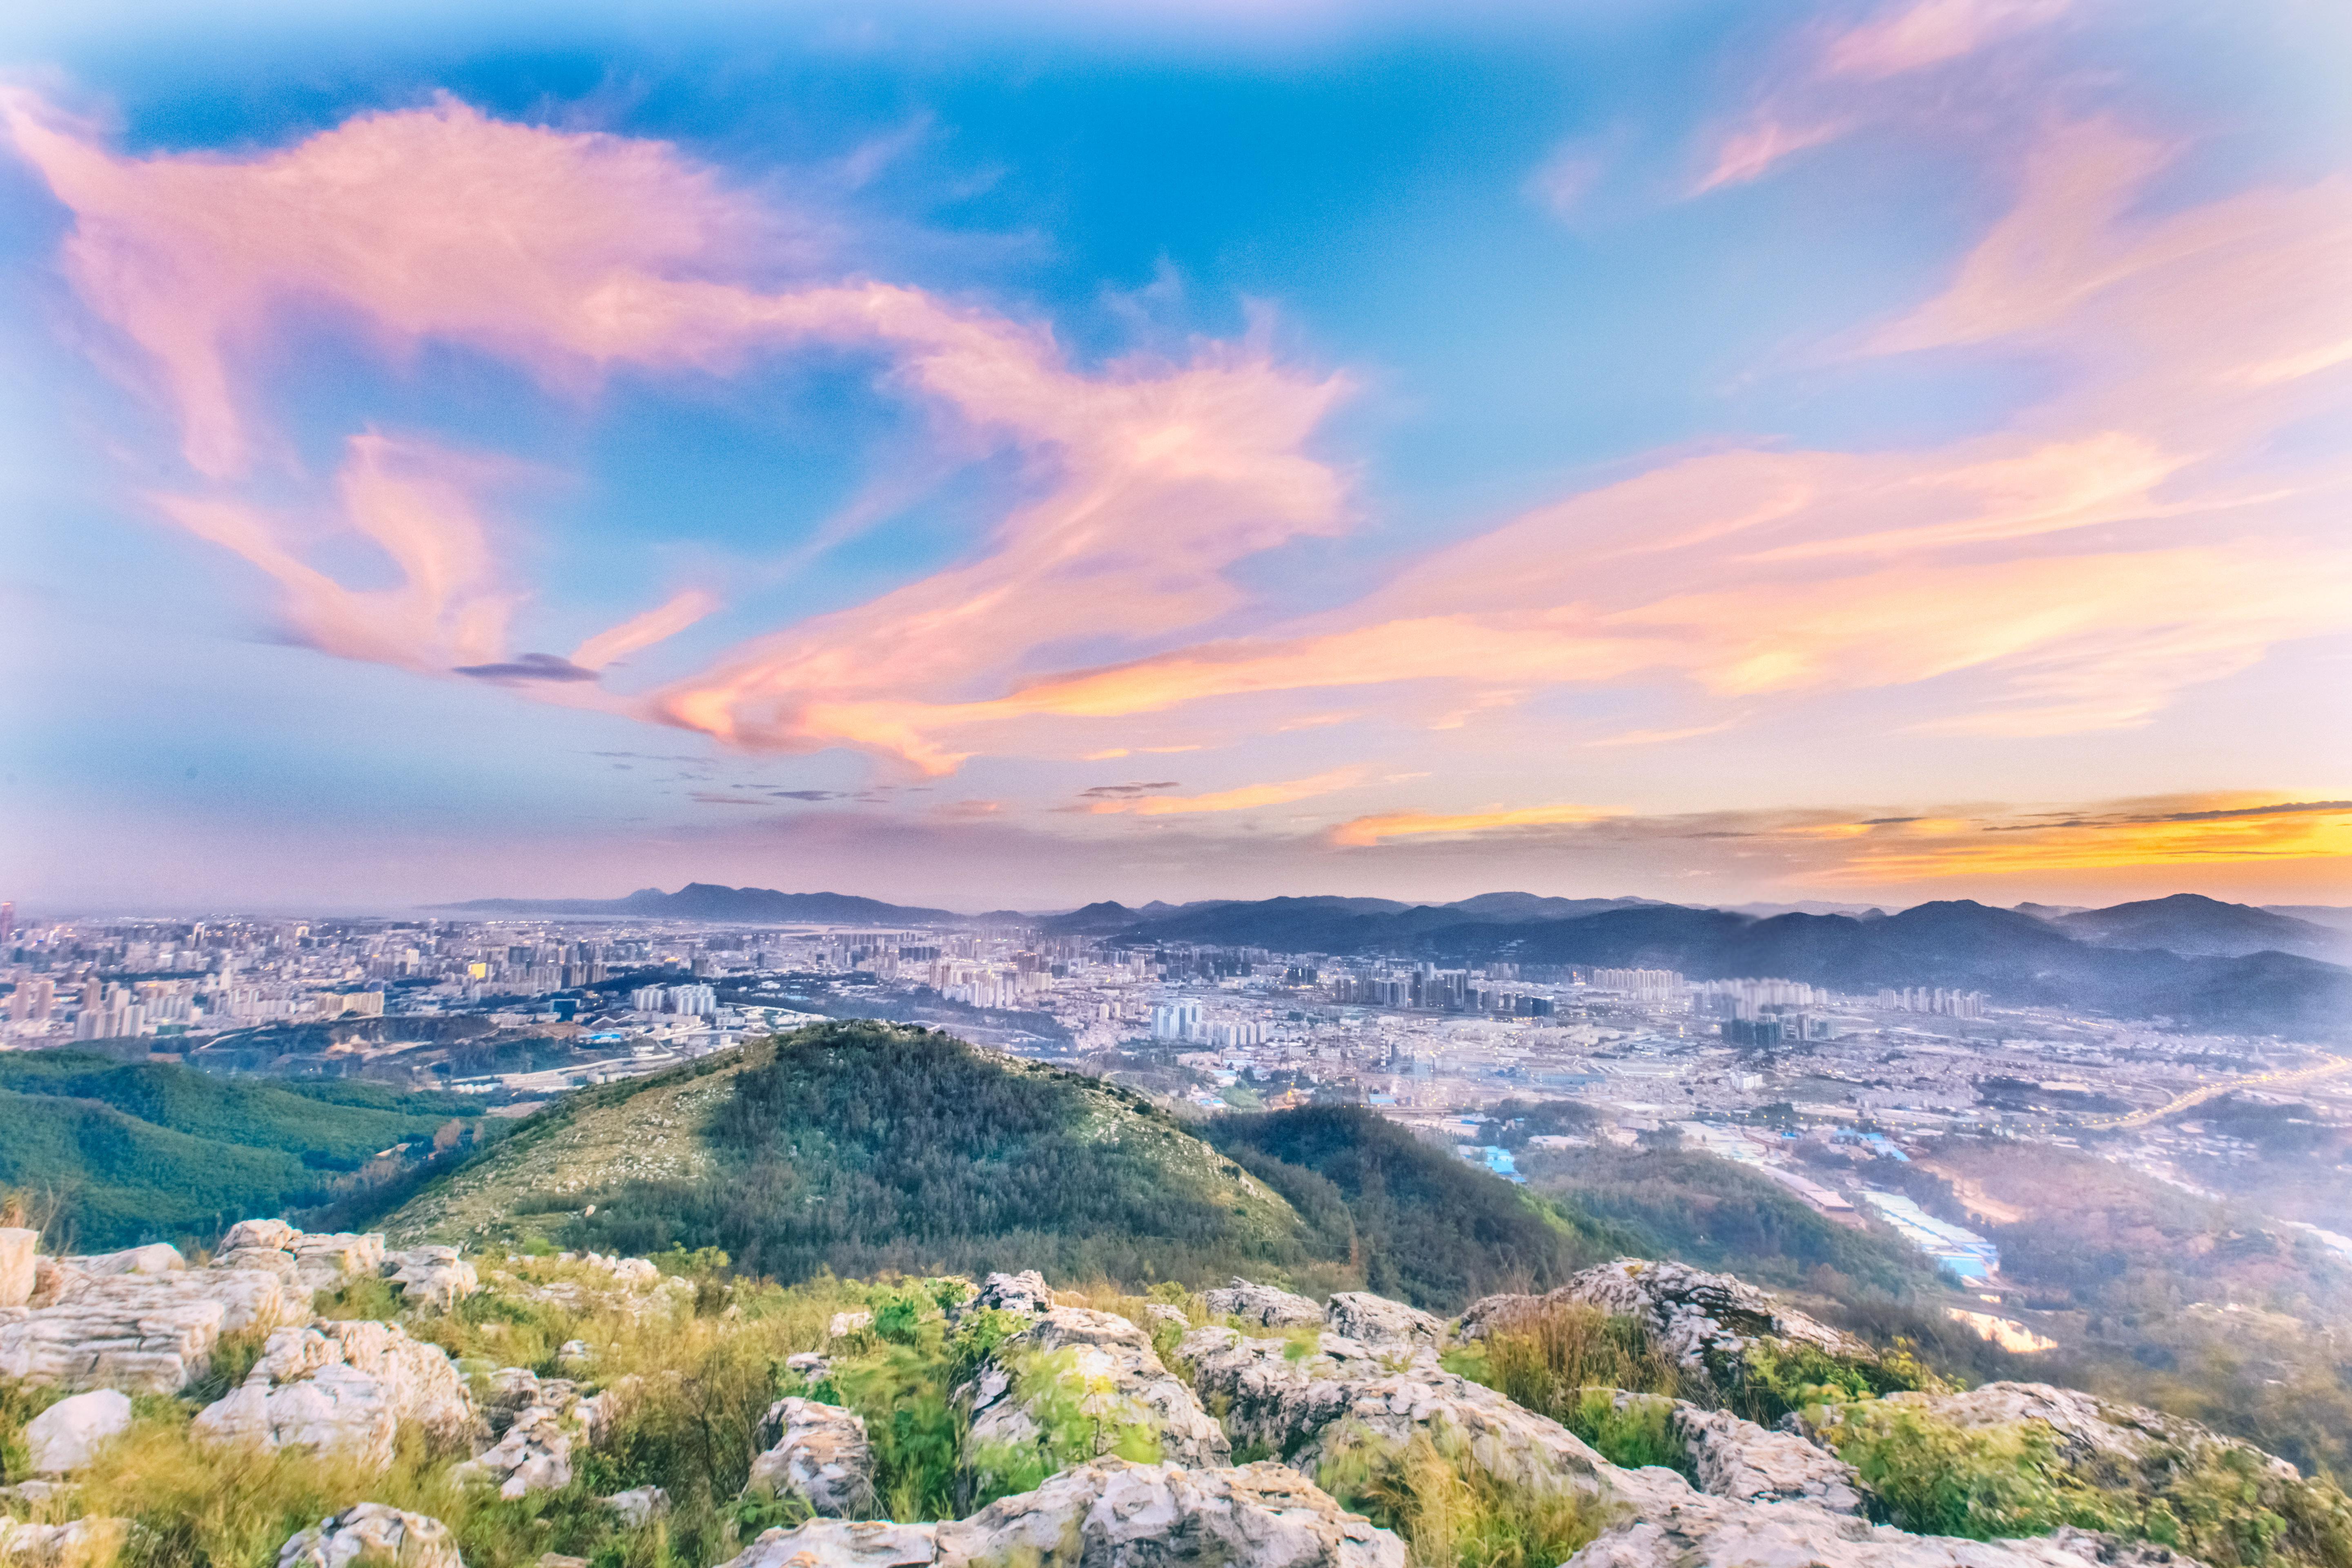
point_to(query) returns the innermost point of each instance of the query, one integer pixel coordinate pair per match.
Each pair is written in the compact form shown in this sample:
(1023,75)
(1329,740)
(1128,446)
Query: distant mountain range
(2199,961)
(708,902)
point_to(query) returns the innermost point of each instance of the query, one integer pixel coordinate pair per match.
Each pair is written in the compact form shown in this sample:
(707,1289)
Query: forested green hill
(125,1152)
(858,1147)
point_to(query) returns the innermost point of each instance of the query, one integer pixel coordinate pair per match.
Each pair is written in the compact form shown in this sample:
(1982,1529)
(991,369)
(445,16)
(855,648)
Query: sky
(1017,455)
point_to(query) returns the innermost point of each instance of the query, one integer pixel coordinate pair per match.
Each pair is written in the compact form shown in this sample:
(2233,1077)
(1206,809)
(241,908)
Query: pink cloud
(659,624)
(1930,32)
(1750,153)
(410,501)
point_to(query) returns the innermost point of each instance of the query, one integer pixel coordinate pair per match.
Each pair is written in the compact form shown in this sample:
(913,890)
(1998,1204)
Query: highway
(2327,1068)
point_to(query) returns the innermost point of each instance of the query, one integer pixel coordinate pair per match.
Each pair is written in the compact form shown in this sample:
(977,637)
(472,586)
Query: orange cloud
(1365,831)
(1239,799)
(2194,831)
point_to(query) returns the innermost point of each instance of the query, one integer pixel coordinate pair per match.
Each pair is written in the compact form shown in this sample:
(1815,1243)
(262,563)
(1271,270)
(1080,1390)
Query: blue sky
(1700,450)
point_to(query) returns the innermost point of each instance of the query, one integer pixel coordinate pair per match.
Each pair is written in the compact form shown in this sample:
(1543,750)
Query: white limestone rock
(155,1258)
(1103,1362)
(1381,1324)
(534,1455)
(820,1452)
(434,1277)
(1263,1306)
(1694,1531)
(1116,1514)
(78,1543)
(373,1533)
(1274,1398)
(346,1387)
(1738,1459)
(68,1435)
(1023,1293)
(638,1505)
(844,1325)
(1110,1513)
(263,1235)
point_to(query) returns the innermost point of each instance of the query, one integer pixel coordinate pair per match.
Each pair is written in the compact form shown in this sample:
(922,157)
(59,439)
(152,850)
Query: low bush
(1450,1512)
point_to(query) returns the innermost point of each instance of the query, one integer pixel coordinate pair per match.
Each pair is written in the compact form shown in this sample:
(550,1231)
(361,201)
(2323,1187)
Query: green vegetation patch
(131,1153)
(865,1148)
(1452,1512)
(1423,1226)
(2223,1504)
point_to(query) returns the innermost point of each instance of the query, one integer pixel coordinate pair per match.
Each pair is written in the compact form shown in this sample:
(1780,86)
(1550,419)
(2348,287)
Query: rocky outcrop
(1275,1397)
(1098,1365)
(535,1420)
(134,1334)
(1318,1407)
(1025,1292)
(1738,1459)
(533,1455)
(820,1454)
(435,1277)
(1705,1322)
(78,1543)
(1111,1514)
(1383,1324)
(144,1322)
(638,1505)
(372,1533)
(343,1386)
(155,1258)
(1689,1529)
(1262,1306)
(68,1433)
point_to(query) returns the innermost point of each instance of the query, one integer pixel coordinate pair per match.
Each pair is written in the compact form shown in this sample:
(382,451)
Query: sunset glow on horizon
(1864,453)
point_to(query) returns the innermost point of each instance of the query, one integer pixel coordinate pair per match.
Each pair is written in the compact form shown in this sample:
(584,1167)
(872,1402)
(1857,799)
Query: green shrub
(1450,1511)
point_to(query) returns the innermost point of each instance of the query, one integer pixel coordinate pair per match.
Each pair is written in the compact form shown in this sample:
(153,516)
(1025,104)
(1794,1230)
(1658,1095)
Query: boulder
(17,1249)
(327,1262)
(1381,1324)
(68,1433)
(434,1277)
(133,1332)
(533,1455)
(820,1454)
(1689,1530)
(638,1505)
(1098,1365)
(376,1533)
(1023,1293)
(841,1543)
(267,1235)
(78,1543)
(844,1325)
(1110,1513)
(1706,1322)
(1332,1403)
(155,1258)
(1263,1306)
(1274,1396)
(1735,1458)
(343,1386)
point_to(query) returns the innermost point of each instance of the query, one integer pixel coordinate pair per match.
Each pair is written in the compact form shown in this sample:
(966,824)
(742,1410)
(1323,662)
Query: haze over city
(1011,458)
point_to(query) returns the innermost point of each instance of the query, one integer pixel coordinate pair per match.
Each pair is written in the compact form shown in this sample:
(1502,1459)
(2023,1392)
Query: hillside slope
(859,1147)
(129,1152)
(855,1147)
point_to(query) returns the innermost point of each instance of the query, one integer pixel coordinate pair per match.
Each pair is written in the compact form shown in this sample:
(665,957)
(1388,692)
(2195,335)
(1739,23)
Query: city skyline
(1864,454)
